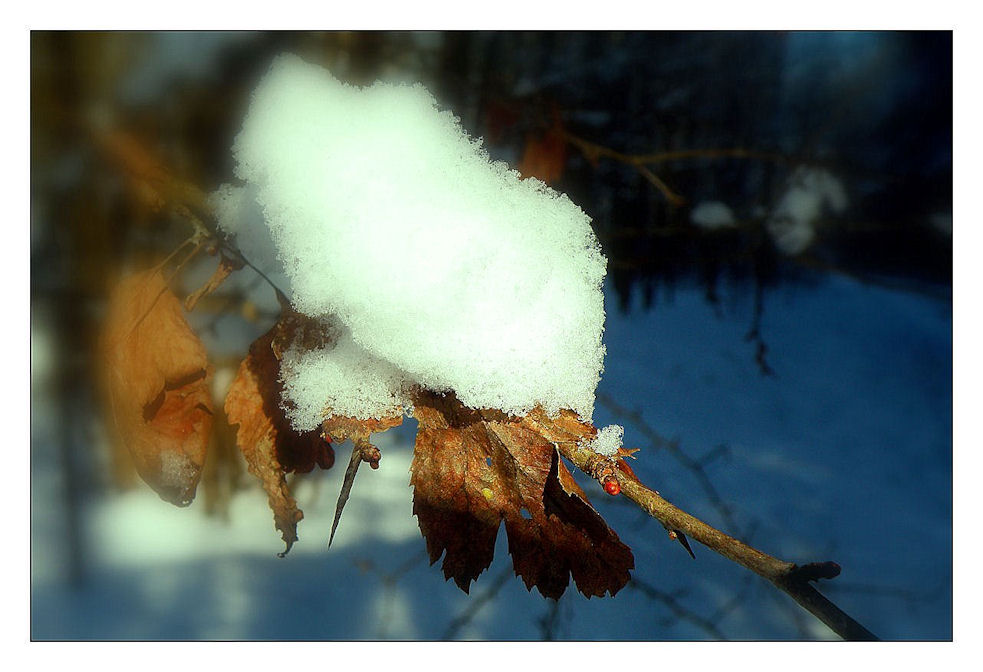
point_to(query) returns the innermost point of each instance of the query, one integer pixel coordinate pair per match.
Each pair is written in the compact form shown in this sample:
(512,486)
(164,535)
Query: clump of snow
(608,440)
(342,379)
(712,215)
(443,265)
(811,192)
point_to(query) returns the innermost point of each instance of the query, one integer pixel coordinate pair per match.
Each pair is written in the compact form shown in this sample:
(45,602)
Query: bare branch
(787,576)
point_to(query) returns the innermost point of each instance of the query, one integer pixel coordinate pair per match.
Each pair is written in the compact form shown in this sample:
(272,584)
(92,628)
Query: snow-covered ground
(845,454)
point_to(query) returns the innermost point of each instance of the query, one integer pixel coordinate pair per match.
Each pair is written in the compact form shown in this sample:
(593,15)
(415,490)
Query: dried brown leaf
(264,435)
(474,469)
(340,427)
(156,379)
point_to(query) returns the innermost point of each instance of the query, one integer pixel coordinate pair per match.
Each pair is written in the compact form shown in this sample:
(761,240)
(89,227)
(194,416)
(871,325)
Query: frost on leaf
(473,469)
(157,386)
(264,435)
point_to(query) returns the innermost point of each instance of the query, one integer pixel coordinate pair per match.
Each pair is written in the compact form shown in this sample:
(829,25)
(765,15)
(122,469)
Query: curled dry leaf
(156,380)
(264,435)
(473,469)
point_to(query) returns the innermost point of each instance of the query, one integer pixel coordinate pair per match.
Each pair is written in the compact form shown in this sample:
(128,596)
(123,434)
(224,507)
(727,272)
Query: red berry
(611,486)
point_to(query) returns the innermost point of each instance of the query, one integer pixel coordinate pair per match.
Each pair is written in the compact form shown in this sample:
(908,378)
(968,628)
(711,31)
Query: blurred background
(776,209)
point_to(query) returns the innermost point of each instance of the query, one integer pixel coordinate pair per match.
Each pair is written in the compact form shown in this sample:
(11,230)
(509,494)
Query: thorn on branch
(362,451)
(676,535)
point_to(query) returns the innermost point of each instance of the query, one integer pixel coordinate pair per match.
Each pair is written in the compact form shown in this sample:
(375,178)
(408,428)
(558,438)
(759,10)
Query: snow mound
(712,215)
(811,192)
(448,269)
(608,440)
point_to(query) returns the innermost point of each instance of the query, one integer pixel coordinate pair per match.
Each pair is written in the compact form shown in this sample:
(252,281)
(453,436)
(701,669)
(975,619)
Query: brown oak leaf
(264,434)
(474,469)
(156,381)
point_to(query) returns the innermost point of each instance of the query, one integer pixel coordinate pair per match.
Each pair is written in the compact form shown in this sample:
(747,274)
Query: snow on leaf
(264,435)
(473,469)
(156,380)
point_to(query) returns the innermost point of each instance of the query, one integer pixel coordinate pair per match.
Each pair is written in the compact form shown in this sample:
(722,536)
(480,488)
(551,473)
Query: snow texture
(608,440)
(340,380)
(811,192)
(446,267)
(712,215)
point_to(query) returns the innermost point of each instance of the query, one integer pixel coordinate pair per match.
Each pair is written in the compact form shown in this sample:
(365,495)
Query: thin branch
(697,467)
(593,152)
(475,604)
(786,576)
(677,609)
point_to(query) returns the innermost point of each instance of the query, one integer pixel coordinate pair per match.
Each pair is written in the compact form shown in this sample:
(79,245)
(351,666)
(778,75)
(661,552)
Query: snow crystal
(712,215)
(811,192)
(608,440)
(445,266)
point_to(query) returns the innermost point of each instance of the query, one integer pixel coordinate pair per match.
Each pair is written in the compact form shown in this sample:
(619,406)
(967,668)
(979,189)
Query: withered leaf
(340,427)
(264,435)
(156,380)
(474,469)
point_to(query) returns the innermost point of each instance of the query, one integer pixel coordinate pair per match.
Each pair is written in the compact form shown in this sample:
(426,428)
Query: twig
(786,576)
(389,583)
(697,467)
(677,609)
(548,622)
(593,152)
(476,603)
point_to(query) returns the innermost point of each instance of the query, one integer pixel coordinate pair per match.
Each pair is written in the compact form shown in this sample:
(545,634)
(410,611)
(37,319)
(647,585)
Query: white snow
(811,193)
(443,265)
(712,215)
(608,440)
(343,380)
